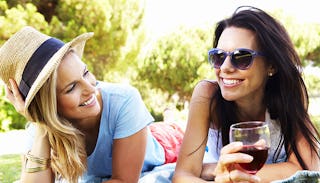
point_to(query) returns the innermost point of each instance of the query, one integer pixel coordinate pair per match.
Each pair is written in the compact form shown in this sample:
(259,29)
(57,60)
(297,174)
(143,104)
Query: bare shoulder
(205,88)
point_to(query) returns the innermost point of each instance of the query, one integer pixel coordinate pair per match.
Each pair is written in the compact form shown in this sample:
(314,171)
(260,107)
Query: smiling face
(241,85)
(76,91)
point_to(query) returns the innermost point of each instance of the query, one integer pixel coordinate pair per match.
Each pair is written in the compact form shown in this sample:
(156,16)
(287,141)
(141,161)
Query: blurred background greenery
(10,168)
(164,69)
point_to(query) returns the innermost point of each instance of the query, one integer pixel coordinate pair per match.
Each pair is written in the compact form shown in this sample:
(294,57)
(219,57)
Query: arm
(227,165)
(128,156)
(286,169)
(189,164)
(40,147)
(207,171)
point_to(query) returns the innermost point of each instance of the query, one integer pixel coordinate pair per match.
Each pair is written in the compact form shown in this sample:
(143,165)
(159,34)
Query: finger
(227,162)
(235,158)
(231,148)
(261,143)
(13,86)
(9,93)
(14,96)
(226,177)
(15,90)
(240,176)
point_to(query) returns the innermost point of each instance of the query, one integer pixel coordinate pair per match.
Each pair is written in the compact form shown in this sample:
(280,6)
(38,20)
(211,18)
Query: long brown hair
(286,96)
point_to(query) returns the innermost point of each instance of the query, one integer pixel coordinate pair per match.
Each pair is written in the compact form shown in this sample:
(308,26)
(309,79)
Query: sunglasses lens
(242,59)
(216,59)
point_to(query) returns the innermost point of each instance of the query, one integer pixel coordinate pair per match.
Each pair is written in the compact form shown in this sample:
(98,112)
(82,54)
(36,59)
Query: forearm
(185,178)
(40,149)
(277,171)
(205,176)
(120,180)
(114,181)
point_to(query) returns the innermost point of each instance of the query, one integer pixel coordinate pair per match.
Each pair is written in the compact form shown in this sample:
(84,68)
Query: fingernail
(10,81)
(238,144)
(256,178)
(248,157)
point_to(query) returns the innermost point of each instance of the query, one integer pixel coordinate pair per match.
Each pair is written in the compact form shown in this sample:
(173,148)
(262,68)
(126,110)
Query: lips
(230,81)
(88,102)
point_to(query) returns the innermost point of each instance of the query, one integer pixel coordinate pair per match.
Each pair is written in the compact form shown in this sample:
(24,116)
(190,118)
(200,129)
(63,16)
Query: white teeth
(88,101)
(230,81)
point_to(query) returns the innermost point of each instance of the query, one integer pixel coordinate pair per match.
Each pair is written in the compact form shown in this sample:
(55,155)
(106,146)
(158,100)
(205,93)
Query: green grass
(10,168)
(10,165)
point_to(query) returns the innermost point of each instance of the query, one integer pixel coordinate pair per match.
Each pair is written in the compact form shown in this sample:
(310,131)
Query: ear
(272,70)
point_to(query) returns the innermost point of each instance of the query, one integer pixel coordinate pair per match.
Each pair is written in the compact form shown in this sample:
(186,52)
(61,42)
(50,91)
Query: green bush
(9,117)
(313,84)
(173,63)
(116,24)
(164,70)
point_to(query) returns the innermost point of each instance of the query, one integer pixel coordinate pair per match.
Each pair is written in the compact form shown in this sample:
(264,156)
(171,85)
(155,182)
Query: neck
(251,111)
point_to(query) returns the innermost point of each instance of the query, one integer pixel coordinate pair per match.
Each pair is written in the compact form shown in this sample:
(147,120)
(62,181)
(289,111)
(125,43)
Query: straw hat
(29,57)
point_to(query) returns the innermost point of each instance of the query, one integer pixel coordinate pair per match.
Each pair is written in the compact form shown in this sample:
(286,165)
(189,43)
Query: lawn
(10,164)
(10,168)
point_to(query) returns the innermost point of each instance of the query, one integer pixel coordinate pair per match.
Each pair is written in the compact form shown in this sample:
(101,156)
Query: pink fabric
(170,136)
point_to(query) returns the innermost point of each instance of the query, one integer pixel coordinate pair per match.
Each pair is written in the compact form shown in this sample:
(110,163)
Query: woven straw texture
(16,52)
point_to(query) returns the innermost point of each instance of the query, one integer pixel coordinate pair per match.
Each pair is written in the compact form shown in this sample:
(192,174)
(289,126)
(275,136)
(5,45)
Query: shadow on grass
(10,168)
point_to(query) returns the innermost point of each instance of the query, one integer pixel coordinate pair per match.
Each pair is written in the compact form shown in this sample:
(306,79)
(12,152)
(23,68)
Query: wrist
(41,145)
(35,164)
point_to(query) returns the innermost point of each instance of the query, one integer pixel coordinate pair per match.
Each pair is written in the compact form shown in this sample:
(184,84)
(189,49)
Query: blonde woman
(85,130)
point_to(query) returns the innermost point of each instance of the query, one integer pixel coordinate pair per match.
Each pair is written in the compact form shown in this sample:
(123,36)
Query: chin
(228,97)
(96,111)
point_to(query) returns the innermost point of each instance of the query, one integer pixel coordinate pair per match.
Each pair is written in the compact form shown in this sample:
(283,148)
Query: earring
(270,74)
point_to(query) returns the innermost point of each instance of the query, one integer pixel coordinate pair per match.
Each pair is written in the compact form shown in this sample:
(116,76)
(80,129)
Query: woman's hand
(228,170)
(14,96)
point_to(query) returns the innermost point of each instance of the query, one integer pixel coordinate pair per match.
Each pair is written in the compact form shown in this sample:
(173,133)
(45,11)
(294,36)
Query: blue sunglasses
(241,58)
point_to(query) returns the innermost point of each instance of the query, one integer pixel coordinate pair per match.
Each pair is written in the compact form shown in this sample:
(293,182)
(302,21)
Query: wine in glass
(255,137)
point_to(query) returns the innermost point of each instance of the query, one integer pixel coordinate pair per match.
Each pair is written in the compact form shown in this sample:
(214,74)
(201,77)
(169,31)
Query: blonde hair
(68,154)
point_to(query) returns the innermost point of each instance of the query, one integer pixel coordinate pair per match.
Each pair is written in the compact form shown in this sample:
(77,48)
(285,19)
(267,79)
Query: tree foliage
(116,24)
(9,118)
(164,69)
(173,63)
(305,37)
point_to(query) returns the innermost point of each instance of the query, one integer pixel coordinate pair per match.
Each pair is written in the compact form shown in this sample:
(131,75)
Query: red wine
(260,155)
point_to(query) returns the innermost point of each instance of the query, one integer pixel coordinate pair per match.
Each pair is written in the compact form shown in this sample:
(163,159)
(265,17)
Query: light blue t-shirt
(124,114)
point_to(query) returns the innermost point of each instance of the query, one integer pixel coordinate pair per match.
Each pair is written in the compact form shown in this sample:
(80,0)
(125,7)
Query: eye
(86,73)
(71,87)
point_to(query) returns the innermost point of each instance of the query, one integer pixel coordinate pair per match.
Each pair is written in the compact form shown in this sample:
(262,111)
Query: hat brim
(77,44)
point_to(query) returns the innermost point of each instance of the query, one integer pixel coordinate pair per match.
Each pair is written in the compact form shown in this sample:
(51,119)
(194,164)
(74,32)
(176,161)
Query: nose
(88,87)
(227,65)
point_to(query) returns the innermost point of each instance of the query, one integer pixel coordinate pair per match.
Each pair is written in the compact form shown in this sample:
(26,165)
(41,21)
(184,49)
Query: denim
(160,174)
(302,176)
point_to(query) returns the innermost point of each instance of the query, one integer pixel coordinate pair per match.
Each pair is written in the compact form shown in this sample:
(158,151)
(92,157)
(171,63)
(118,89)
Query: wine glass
(255,137)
